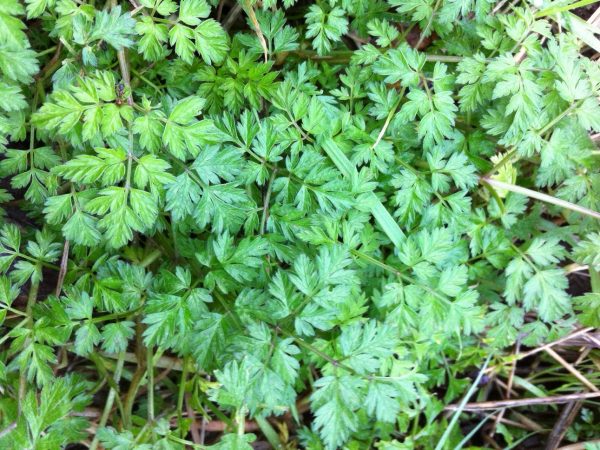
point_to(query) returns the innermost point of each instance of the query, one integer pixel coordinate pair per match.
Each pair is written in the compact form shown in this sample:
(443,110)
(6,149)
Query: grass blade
(461,406)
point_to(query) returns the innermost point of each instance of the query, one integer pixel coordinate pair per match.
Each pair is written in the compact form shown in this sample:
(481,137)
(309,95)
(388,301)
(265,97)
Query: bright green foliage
(192,31)
(281,214)
(325,27)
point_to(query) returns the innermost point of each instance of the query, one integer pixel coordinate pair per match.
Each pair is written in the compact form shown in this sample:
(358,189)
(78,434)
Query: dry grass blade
(511,378)
(523,402)
(527,421)
(542,197)
(64,261)
(593,338)
(257,30)
(524,425)
(545,346)
(580,445)
(572,369)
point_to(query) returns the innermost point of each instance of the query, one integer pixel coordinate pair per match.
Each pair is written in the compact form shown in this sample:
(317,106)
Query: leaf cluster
(286,213)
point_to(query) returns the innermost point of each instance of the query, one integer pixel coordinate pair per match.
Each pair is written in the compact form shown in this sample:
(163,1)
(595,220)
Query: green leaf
(182,195)
(325,27)
(363,347)
(214,164)
(211,41)
(234,442)
(181,37)
(123,211)
(107,168)
(588,309)
(545,292)
(334,403)
(35,8)
(11,97)
(152,171)
(86,338)
(400,65)
(191,11)
(187,109)
(113,28)
(170,318)
(82,229)
(17,64)
(154,35)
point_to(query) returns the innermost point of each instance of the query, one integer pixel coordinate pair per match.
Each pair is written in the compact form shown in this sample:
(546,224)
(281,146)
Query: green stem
(14,311)
(185,442)
(47,51)
(109,401)
(240,418)
(561,116)
(334,362)
(429,23)
(269,432)
(33,260)
(388,120)
(136,381)
(150,370)
(510,154)
(114,316)
(146,80)
(595,279)
(265,212)
(181,394)
(17,326)
(31,299)
(150,258)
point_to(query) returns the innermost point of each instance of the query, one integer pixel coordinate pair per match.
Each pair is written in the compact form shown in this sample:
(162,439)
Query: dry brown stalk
(480,406)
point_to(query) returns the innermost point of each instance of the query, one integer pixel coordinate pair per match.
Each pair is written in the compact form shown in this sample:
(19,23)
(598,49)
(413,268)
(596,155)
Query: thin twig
(220,10)
(124,67)
(513,423)
(556,342)
(574,267)
(194,425)
(64,261)
(524,402)
(593,339)
(543,347)
(525,420)
(567,416)
(580,445)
